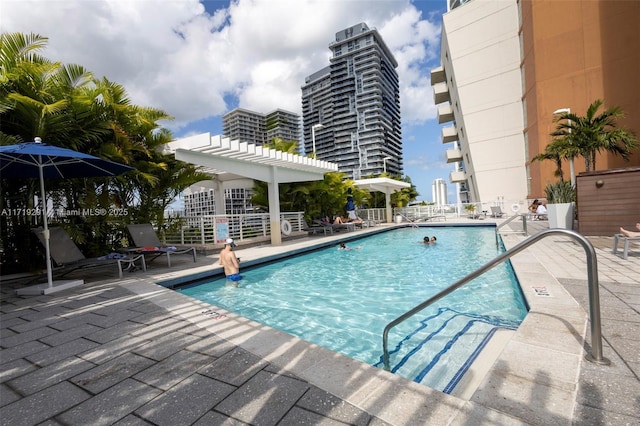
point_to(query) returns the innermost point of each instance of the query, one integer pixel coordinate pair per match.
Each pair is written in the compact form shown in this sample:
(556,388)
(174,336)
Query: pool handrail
(512,218)
(592,276)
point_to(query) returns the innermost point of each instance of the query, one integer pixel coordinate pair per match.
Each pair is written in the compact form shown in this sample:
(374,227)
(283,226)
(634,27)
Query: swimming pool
(342,300)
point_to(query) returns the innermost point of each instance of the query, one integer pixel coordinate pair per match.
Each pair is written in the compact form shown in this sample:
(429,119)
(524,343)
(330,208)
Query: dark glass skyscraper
(356,100)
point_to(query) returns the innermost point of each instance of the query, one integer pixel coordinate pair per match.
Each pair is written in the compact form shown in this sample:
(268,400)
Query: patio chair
(432,218)
(625,247)
(496,211)
(146,242)
(337,227)
(68,258)
(316,228)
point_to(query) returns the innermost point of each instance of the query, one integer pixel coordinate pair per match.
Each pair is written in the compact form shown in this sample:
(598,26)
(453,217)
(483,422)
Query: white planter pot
(560,215)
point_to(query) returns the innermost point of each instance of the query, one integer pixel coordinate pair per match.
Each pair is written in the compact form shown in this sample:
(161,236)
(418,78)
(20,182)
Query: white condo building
(478,90)
(439,192)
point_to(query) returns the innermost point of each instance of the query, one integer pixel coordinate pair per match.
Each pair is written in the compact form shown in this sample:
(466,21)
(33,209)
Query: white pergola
(234,164)
(385,185)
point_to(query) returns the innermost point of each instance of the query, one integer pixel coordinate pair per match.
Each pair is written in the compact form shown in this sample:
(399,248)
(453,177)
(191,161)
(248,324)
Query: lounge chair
(316,228)
(627,240)
(146,241)
(68,258)
(337,226)
(348,226)
(432,218)
(496,211)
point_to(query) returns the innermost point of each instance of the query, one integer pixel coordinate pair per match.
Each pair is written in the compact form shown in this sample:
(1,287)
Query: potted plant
(561,197)
(471,210)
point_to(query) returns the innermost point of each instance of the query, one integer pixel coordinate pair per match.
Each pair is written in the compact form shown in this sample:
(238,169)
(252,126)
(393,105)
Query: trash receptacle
(398,219)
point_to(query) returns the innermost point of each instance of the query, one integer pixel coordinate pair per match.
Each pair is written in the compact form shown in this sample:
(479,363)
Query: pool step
(442,347)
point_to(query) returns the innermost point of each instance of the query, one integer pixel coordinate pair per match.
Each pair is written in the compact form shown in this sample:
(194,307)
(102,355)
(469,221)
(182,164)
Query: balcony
(449,134)
(445,113)
(438,75)
(457,177)
(441,93)
(454,155)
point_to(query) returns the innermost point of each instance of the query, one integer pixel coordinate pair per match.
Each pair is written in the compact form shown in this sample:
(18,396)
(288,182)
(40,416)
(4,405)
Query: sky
(197,60)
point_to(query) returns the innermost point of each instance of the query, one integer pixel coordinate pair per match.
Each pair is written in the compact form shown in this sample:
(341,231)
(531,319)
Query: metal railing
(511,219)
(594,296)
(203,229)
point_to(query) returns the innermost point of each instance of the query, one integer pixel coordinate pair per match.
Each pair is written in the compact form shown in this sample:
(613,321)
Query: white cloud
(175,56)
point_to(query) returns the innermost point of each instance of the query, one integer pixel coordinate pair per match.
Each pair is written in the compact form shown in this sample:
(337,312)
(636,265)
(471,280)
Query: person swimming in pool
(230,262)
(433,240)
(343,246)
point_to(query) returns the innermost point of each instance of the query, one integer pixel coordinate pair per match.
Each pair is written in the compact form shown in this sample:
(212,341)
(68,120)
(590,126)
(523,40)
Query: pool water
(342,300)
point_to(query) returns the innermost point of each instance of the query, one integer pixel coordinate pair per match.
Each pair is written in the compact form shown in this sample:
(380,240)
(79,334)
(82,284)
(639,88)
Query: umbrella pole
(45,232)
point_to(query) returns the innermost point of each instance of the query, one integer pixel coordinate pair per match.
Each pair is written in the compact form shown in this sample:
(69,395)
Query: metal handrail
(413,224)
(594,296)
(512,218)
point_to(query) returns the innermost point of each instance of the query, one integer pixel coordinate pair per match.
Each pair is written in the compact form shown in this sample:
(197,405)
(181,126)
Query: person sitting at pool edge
(230,262)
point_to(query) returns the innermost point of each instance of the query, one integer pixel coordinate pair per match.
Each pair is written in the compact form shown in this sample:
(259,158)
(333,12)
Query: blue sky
(197,60)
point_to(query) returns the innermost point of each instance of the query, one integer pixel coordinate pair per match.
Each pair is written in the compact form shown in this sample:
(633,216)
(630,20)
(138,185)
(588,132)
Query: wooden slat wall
(603,210)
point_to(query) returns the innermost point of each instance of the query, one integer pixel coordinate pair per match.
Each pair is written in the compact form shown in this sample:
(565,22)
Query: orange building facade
(574,52)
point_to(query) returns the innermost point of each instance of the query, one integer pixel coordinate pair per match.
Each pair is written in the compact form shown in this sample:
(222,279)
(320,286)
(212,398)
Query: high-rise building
(478,89)
(573,53)
(199,200)
(282,124)
(508,65)
(439,192)
(245,126)
(351,109)
(259,129)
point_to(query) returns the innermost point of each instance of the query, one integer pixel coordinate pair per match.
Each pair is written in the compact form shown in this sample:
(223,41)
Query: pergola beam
(231,159)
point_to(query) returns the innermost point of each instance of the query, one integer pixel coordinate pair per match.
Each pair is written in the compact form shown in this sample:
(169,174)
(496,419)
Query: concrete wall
(575,52)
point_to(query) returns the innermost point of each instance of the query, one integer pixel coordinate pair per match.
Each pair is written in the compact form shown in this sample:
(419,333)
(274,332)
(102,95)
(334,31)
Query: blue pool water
(342,300)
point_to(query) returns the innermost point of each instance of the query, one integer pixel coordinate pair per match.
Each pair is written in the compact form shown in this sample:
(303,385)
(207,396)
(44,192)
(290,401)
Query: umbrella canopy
(25,160)
(38,160)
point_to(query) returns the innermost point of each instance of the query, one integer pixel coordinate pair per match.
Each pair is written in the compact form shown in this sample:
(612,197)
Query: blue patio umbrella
(42,161)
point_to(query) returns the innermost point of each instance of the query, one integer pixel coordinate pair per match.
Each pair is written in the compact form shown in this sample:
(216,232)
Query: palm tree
(555,152)
(66,106)
(280,144)
(578,136)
